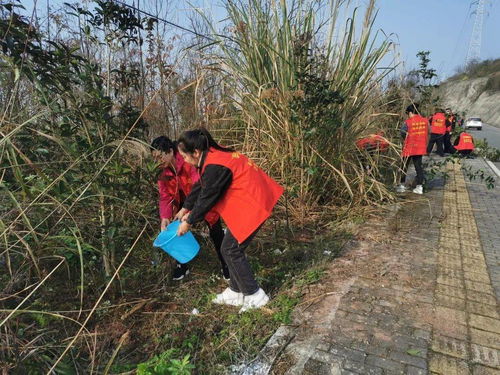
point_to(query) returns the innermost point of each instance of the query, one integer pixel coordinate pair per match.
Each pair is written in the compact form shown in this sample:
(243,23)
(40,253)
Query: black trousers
(438,140)
(217,235)
(417,163)
(242,278)
(448,148)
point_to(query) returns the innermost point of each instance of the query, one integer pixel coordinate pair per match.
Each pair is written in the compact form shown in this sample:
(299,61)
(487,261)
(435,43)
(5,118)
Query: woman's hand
(183,228)
(164,224)
(182,212)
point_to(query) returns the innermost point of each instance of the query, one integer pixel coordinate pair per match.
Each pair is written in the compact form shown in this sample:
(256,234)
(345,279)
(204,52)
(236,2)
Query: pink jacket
(175,186)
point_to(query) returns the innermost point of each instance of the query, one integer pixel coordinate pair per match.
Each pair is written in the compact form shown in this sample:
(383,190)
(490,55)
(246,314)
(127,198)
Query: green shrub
(477,69)
(486,151)
(493,83)
(166,364)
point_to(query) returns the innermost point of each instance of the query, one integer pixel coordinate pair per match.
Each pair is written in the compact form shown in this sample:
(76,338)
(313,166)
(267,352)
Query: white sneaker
(400,188)
(229,297)
(418,189)
(254,301)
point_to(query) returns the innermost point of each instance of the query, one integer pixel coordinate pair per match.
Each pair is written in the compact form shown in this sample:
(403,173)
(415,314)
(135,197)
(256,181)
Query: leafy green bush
(493,83)
(166,364)
(486,151)
(477,69)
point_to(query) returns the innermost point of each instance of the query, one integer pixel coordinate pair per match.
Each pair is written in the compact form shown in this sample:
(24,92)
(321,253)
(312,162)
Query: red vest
(250,198)
(438,123)
(416,136)
(373,142)
(465,142)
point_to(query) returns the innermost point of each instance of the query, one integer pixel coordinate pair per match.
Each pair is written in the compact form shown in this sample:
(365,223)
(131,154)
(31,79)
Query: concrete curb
(268,355)
(493,167)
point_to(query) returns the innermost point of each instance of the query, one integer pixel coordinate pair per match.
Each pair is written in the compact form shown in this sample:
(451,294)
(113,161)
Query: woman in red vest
(244,196)
(415,131)
(438,131)
(450,126)
(372,145)
(174,185)
(464,144)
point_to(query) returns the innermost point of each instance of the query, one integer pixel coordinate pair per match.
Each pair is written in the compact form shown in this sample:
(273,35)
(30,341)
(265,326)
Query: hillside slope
(476,93)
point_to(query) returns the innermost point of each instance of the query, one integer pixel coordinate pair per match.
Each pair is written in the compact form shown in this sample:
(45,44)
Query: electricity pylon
(474,51)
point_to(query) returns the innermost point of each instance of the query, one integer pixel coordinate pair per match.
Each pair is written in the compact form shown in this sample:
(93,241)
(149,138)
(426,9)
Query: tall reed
(304,90)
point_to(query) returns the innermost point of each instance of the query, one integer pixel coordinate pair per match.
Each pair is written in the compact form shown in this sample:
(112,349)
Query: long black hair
(198,139)
(165,144)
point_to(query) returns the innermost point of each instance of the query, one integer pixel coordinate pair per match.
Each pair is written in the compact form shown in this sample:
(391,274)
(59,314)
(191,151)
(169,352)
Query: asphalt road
(490,133)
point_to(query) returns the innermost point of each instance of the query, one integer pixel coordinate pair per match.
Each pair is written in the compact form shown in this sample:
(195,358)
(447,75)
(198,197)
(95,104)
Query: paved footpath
(464,290)
(418,299)
(486,208)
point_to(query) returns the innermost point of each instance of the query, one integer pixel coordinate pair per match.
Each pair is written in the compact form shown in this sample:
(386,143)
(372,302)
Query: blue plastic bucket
(181,248)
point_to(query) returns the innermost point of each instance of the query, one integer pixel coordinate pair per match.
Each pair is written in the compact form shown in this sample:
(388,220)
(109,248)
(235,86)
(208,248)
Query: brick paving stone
(408,359)
(454,331)
(485,323)
(482,298)
(422,334)
(486,356)
(315,367)
(386,364)
(450,302)
(450,315)
(443,365)
(410,370)
(488,339)
(354,355)
(474,286)
(482,370)
(362,369)
(450,291)
(482,309)
(450,346)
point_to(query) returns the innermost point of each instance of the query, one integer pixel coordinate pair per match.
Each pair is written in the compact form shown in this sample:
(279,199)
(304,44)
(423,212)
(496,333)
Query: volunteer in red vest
(438,130)
(243,195)
(175,182)
(450,125)
(372,144)
(464,144)
(415,132)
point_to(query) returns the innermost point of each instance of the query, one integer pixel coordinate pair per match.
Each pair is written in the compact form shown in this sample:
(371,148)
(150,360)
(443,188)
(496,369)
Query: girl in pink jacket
(175,182)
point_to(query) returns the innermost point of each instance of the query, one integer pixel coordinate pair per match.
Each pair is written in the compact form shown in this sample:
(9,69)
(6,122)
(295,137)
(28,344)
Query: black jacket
(207,191)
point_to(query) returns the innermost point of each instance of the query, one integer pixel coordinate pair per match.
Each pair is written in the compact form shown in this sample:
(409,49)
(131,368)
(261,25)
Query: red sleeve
(188,176)
(166,188)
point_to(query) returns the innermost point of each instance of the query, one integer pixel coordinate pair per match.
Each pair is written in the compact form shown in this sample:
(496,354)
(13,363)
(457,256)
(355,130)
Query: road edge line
(493,167)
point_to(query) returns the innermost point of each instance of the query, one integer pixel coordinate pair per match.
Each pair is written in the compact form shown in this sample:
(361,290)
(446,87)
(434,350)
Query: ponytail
(198,139)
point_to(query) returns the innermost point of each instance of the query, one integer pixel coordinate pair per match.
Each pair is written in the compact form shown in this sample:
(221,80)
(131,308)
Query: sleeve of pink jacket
(166,199)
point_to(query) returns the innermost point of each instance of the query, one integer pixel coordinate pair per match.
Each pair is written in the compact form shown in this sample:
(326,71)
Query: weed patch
(218,337)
